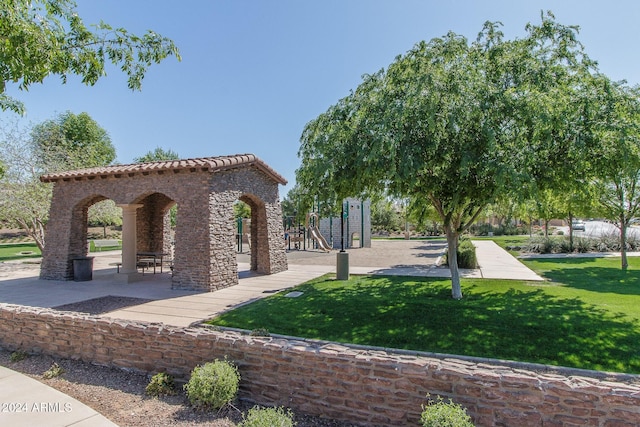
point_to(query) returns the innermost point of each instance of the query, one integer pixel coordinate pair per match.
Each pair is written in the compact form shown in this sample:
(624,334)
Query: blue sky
(254,72)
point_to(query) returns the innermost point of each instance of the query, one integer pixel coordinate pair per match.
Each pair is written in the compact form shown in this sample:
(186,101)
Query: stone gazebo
(204,189)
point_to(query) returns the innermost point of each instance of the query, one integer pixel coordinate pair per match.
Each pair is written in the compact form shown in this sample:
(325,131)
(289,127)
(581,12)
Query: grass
(587,315)
(10,252)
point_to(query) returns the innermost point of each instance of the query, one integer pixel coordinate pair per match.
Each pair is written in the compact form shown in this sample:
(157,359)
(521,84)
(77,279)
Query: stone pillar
(128,270)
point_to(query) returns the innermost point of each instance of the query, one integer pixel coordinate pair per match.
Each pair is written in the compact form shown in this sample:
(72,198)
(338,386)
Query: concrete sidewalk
(27,402)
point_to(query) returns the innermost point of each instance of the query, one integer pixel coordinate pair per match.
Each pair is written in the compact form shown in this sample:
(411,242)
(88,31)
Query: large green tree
(71,141)
(457,124)
(41,38)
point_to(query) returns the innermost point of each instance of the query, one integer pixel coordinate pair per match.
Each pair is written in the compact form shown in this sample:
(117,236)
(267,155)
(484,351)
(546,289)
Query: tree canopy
(47,37)
(157,155)
(458,124)
(71,141)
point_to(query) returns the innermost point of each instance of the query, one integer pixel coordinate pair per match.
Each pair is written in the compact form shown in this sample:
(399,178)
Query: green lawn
(18,251)
(587,316)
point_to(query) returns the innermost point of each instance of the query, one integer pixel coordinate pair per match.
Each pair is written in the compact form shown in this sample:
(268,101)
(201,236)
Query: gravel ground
(120,395)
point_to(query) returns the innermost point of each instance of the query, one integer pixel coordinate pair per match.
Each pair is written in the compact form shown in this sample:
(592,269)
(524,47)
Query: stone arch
(259,238)
(74,242)
(153,223)
(204,190)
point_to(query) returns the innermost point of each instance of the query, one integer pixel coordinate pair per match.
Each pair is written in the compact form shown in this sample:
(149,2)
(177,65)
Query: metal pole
(342,228)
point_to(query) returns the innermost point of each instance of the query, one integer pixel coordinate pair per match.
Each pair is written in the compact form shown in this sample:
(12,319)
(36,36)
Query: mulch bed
(102,305)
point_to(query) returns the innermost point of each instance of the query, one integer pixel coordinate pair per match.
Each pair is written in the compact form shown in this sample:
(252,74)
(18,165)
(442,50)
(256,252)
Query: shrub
(260,332)
(565,246)
(267,417)
(542,245)
(54,371)
(467,254)
(213,385)
(583,244)
(161,384)
(439,413)
(18,355)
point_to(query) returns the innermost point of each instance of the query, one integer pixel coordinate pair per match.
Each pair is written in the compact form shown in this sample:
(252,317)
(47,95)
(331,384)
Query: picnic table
(149,259)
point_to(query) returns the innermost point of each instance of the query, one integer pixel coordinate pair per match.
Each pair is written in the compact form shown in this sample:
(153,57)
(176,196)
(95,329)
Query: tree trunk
(570,233)
(623,242)
(452,256)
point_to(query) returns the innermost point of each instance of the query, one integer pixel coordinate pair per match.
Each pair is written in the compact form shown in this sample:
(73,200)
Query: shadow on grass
(419,314)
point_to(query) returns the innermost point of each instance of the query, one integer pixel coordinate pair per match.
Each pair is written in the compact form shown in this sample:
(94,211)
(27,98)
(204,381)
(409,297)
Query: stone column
(128,270)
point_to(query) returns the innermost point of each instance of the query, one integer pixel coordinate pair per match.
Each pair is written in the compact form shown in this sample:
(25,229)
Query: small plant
(213,384)
(54,371)
(439,413)
(18,355)
(267,417)
(161,384)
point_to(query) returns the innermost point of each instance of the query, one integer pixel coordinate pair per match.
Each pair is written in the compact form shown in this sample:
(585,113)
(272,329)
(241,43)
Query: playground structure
(325,233)
(243,234)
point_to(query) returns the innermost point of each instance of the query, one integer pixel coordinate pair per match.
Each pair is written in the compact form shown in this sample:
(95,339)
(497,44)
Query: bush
(54,371)
(583,244)
(542,245)
(18,355)
(213,385)
(161,384)
(267,417)
(467,254)
(439,413)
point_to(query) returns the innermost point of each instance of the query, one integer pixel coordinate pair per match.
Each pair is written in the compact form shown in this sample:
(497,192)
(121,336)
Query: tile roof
(209,164)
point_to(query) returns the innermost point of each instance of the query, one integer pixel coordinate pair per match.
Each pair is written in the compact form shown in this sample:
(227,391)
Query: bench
(106,243)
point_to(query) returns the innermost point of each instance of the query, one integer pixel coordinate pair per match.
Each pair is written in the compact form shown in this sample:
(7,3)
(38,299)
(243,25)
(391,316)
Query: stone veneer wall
(361,385)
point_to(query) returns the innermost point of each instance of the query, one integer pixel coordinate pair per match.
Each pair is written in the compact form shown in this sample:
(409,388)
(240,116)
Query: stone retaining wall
(362,385)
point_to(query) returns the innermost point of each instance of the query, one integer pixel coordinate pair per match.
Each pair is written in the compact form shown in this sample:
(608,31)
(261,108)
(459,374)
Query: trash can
(83,269)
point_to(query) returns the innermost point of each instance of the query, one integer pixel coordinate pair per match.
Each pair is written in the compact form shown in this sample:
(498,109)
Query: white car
(578,225)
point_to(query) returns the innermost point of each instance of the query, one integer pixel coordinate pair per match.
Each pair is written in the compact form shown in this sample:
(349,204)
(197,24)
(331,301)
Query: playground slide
(315,235)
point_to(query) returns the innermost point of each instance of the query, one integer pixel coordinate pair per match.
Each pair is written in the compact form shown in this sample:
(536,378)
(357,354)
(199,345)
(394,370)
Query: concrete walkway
(27,402)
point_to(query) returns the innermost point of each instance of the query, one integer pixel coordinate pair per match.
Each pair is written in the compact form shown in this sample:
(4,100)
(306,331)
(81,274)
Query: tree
(68,141)
(71,141)
(384,216)
(24,200)
(105,213)
(617,163)
(47,37)
(157,155)
(455,123)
